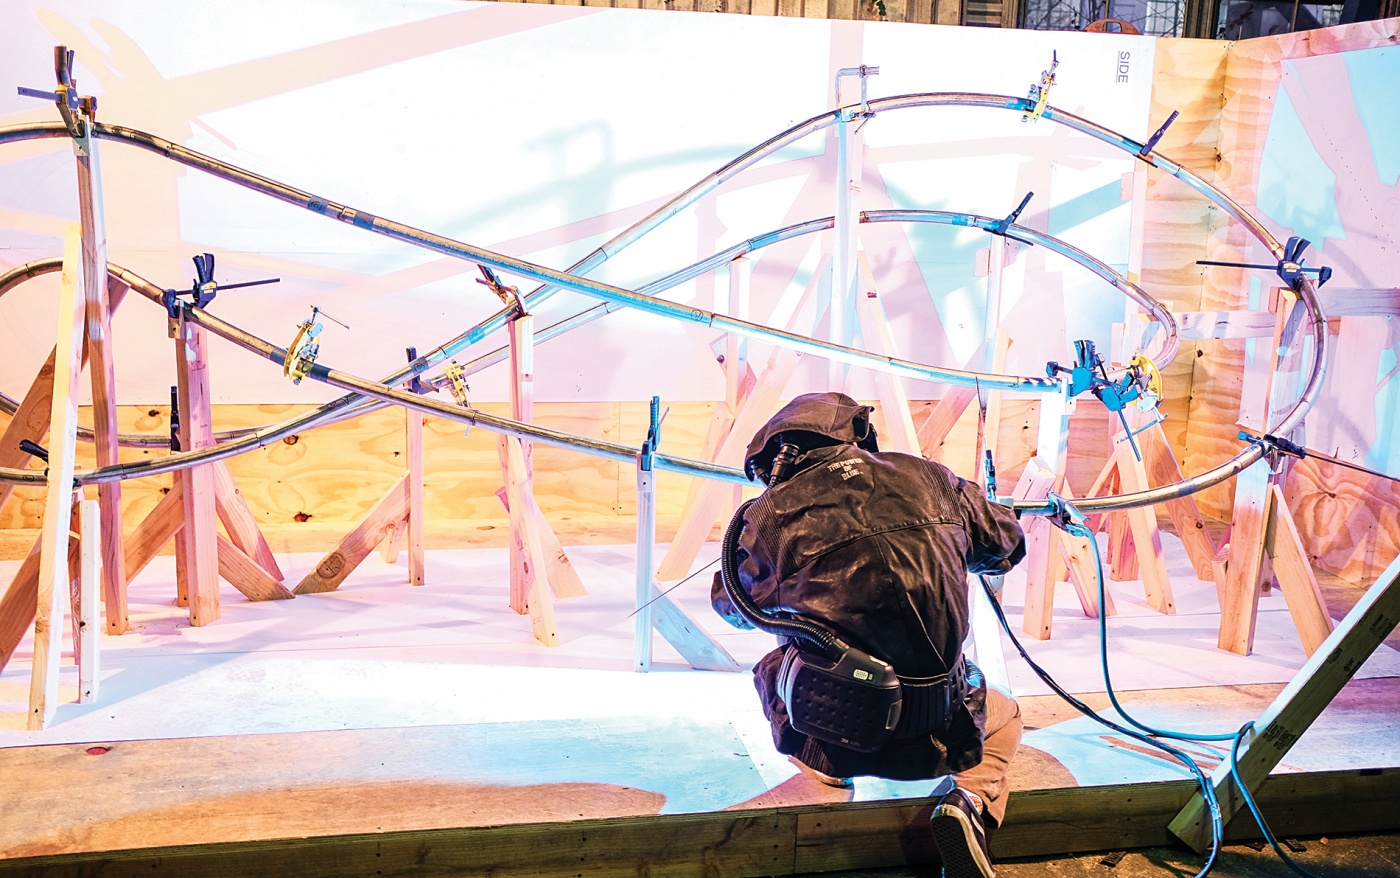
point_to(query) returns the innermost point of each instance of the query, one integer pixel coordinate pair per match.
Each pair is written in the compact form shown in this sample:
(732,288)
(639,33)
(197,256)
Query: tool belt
(858,701)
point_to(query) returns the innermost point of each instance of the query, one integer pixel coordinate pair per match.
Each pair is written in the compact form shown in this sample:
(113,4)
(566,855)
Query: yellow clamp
(456,376)
(301,353)
(1147,371)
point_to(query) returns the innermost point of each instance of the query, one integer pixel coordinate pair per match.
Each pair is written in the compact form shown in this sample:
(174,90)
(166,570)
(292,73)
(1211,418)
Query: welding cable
(1217,823)
(1254,808)
(1234,738)
(1078,529)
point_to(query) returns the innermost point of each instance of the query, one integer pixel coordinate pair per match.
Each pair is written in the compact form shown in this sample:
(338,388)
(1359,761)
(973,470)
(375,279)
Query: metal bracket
(863,72)
(1039,94)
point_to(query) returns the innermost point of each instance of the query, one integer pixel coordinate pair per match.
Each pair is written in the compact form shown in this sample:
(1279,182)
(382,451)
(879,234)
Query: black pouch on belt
(854,701)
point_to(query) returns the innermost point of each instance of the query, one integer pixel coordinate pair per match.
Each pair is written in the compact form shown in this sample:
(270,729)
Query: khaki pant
(987,779)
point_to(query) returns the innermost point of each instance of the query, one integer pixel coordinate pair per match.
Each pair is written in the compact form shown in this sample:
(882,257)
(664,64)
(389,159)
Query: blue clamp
(653,440)
(1004,224)
(1157,135)
(1290,268)
(418,367)
(1066,516)
(204,288)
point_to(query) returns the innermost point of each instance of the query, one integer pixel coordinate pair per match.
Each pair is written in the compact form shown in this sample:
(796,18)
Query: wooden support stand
(1264,543)
(710,499)
(196,544)
(1329,667)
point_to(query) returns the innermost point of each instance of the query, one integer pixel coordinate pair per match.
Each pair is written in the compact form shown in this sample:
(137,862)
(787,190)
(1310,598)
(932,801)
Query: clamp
(456,375)
(1275,448)
(1039,94)
(1004,224)
(202,290)
(78,112)
(1290,268)
(863,71)
(301,353)
(1141,383)
(417,367)
(647,452)
(510,296)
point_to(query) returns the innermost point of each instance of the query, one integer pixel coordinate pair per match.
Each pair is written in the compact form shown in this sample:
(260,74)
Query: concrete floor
(1347,856)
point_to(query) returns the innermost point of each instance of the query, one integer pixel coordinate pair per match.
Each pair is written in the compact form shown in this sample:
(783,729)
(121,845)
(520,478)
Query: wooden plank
(1295,574)
(1359,302)
(101,371)
(1036,482)
(246,575)
(89,610)
(18,605)
(1142,521)
(1246,553)
(356,545)
(389,548)
(1200,325)
(899,433)
(538,602)
(1295,708)
(154,531)
(239,523)
(63,440)
(700,650)
(559,571)
(413,444)
(1190,525)
(760,405)
(196,546)
(31,418)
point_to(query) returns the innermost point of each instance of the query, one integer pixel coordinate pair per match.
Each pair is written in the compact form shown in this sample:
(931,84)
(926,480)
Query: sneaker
(960,837)
(838,782)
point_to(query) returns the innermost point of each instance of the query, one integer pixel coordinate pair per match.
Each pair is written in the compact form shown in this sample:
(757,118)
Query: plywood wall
(1346,519)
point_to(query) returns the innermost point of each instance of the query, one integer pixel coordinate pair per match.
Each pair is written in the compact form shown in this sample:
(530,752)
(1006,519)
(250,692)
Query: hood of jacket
(830,414)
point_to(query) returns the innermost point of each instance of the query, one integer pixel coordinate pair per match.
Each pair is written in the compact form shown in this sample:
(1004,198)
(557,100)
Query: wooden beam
(1036,482)
(196,546)
(239,523)
(246,575)
(18,605)
(58,497)
(538,602)
(899,433)
(1241,598)
(1295,575)
(413,445)
(1295,708)
(689,637)
(356,545)
(159,526)
(31,418)
(1190,525)
(102,373)
(89,611)
(1142,521)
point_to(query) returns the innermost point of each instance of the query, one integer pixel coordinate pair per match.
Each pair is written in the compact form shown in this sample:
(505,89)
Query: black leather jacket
(876,545)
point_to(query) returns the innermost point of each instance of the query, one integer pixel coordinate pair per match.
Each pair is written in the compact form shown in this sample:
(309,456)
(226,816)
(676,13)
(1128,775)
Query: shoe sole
(957,845)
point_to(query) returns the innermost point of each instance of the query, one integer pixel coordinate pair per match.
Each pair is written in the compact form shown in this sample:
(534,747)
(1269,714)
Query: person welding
(858,560)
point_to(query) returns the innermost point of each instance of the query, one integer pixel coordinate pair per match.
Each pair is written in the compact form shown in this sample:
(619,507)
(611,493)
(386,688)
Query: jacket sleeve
(755,577)
(996,543)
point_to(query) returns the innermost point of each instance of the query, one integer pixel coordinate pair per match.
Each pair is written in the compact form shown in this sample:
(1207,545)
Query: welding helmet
(810,421)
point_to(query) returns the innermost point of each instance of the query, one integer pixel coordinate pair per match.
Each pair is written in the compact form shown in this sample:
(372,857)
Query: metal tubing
(615,295)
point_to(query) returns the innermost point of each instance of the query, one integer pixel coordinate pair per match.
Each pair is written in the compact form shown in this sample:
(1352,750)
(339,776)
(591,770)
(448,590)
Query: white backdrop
(540,132)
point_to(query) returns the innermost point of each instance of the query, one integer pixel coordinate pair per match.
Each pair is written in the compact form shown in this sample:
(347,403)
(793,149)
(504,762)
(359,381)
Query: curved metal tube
(361,388)
(623,297)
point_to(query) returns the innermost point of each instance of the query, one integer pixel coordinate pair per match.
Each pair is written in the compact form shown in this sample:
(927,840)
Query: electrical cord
(1254,808)
(1207,790)
(1217,826)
